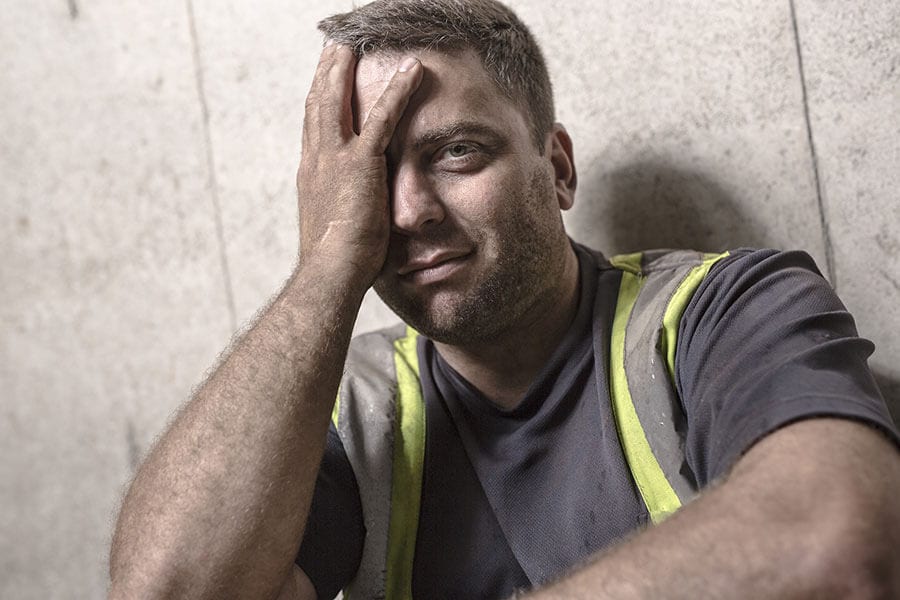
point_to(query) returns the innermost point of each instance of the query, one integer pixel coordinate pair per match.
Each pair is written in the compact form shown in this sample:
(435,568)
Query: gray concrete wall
(146,184)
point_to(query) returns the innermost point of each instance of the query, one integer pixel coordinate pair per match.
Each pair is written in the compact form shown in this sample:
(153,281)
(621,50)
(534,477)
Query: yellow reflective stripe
(678,303)
(658,495)
(337,409)
(628,262)
(406,483)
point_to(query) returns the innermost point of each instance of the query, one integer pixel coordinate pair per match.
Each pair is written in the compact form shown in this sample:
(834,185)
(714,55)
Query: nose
(415,205)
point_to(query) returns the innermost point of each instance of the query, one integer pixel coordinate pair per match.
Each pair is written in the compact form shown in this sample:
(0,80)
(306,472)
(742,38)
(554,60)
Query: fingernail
(407,64)
(328,42)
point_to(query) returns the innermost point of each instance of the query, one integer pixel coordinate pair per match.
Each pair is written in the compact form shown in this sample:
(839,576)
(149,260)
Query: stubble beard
(529,260)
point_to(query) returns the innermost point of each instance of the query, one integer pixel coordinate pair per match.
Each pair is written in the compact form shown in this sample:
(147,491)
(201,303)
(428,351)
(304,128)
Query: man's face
(477,240)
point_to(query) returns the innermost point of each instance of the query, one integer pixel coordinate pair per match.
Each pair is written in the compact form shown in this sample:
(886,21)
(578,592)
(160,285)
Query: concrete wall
(146,179)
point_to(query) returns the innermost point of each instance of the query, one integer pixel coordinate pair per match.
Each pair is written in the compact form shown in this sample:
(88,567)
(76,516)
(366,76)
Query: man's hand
(342,179)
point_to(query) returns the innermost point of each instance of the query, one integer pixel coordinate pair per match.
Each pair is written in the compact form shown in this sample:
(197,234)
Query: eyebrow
(456,129)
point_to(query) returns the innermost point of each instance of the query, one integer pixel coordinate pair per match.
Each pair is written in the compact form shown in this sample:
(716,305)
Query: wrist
(339,279)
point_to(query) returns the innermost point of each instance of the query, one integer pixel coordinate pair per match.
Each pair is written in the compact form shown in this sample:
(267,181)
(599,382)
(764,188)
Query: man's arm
(810,511)
(219,507)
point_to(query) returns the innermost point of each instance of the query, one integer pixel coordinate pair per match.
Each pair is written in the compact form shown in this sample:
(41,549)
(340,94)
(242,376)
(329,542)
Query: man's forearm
(809,513)
(221,502)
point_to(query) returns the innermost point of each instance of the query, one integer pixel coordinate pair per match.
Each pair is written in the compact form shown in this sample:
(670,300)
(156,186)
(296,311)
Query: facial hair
(530,243)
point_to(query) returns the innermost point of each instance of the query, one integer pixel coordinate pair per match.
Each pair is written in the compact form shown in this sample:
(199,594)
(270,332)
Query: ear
(559,149)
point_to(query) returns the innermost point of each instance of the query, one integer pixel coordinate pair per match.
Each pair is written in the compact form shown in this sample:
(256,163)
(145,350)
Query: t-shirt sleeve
(333,541)
(764,342)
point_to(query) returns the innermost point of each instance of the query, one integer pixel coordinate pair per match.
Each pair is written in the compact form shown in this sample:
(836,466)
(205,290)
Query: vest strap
(365,416)
(409,459)
(655,289)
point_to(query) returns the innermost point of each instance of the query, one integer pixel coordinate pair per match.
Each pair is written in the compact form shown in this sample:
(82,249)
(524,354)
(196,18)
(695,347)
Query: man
(502,443)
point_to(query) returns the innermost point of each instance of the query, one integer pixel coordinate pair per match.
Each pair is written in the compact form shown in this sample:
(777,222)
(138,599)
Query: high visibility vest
(380,413)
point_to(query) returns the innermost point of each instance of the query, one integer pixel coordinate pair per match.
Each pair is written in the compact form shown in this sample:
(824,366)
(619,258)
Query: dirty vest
(380,413)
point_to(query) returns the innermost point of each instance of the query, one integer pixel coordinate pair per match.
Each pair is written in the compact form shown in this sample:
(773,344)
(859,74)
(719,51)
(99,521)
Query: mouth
(433,268)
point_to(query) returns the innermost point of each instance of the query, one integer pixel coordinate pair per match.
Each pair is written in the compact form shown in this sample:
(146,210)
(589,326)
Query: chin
(448,318)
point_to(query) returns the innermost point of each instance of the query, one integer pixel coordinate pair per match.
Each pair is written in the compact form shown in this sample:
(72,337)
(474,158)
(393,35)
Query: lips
(433,267)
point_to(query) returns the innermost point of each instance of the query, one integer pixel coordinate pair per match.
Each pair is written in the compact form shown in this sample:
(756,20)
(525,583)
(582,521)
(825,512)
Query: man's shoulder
(733,260)
(369,383)
(644,262)
(757,269)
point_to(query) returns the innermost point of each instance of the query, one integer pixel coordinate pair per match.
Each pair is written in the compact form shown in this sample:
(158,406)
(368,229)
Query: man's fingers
(336,114)
(310,117)
(328,102)
(384,116)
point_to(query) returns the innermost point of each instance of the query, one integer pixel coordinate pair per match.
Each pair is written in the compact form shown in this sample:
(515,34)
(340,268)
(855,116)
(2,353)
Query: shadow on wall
(655,205)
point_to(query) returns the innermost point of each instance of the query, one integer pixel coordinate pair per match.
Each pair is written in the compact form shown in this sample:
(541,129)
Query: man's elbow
(162,574)
(142,567)
(857,555)
(129,580)
(857,572)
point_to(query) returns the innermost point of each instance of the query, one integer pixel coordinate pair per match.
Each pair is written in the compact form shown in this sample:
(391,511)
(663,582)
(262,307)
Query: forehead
(455,87)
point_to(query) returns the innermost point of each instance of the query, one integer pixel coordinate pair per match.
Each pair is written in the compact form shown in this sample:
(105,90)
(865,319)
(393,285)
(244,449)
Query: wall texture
(146,184)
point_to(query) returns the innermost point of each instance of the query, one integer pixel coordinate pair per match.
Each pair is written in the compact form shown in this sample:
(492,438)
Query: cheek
(498,204)
(475,202)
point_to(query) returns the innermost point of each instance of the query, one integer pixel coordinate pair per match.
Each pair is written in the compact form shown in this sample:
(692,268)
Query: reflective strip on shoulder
(409,457)
(657,493)
(656,288)
(678,303)
(336,411)
(630,263)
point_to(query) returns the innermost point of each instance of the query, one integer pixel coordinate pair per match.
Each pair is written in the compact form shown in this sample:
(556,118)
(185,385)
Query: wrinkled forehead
(454,84)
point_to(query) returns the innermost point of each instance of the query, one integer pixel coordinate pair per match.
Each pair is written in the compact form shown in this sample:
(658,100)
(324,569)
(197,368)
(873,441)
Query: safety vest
(380,413)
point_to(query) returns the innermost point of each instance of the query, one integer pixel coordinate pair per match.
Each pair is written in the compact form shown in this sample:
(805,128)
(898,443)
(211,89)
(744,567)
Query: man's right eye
(460,157)
(459,150)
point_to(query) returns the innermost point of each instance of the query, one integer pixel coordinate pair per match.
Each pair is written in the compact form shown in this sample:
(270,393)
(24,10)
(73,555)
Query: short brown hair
(508,51)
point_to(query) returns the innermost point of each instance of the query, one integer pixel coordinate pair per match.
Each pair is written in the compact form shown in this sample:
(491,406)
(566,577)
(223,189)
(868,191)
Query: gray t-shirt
(511,499)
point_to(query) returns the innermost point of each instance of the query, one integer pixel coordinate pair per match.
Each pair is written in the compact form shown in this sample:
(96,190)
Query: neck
(504,368)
